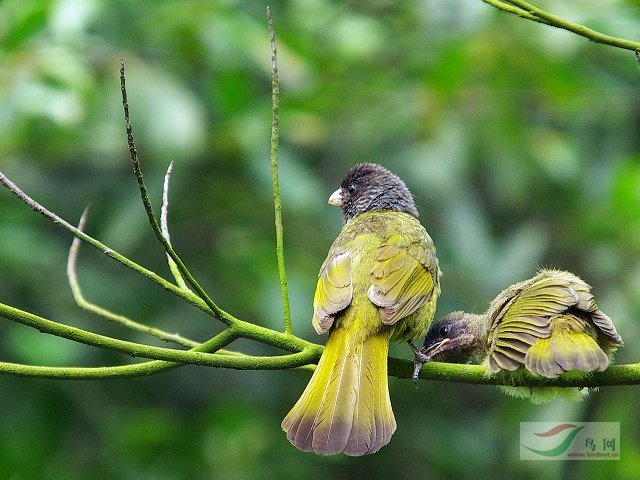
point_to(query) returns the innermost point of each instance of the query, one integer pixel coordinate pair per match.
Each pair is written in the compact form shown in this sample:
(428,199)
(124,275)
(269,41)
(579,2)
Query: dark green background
(519,141)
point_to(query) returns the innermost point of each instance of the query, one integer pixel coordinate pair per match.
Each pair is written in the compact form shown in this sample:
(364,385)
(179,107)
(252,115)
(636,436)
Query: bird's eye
(444,331)
(352,189)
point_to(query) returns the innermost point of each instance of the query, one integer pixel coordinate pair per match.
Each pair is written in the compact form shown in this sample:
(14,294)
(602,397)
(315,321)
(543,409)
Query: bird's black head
(454,338)
(367,187)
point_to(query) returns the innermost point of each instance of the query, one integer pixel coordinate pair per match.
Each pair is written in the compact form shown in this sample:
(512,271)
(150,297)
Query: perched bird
(550,325)
(379,282)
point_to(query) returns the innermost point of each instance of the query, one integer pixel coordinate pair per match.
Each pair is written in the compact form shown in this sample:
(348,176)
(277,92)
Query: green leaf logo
(563,445)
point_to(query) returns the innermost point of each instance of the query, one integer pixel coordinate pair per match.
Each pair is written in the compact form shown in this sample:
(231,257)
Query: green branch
(476,374)
(121,371)
(240,362)
(506,7)
(531,12)
(92,373)
(275,136)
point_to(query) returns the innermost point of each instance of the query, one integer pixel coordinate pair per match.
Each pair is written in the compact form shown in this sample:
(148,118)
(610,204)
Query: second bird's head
(368,186)
(455,338)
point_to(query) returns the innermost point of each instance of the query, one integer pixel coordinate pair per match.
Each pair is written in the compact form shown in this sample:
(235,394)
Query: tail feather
(384,419)
(571,352)
(566,350)
(540,361)
(304,417)
(335,416)
(363,425)
(578,351)
(373,420)
(346,406)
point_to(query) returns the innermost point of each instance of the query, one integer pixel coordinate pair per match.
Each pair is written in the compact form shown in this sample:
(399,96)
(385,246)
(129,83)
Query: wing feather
(334,290)
(402,279)
(521,315)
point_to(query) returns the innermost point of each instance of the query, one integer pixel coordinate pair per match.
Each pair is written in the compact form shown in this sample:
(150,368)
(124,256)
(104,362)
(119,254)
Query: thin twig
(121,371)
(531,12)
(82,302)
(504,6)
(153,221)
(275,136)
(164,225)
(248,330)
(96,373)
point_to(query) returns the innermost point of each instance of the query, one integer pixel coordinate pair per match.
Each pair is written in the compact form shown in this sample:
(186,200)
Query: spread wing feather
(522,315)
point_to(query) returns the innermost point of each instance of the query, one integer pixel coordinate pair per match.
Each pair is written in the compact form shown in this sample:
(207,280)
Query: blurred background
(520,143)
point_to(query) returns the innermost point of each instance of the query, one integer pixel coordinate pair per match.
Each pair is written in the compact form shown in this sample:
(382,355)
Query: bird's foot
(420,359)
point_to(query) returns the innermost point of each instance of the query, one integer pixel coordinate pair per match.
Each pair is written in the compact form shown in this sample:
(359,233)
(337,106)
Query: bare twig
(275,136)
(82,302)
(153,221)
(164,225)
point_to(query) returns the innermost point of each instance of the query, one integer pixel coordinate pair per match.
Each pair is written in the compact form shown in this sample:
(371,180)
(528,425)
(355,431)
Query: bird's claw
(420,359)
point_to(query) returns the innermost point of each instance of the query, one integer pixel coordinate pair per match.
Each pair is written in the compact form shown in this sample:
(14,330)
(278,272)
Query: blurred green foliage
(519,141)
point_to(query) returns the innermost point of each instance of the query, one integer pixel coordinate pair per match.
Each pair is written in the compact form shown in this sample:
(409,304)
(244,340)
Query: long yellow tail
(346,406)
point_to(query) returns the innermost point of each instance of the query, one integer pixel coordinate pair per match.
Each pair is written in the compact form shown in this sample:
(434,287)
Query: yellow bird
(379,282)
(549,325)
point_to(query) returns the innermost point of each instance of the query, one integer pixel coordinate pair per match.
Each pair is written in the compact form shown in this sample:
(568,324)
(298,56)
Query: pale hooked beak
(336,198)
(436,348)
